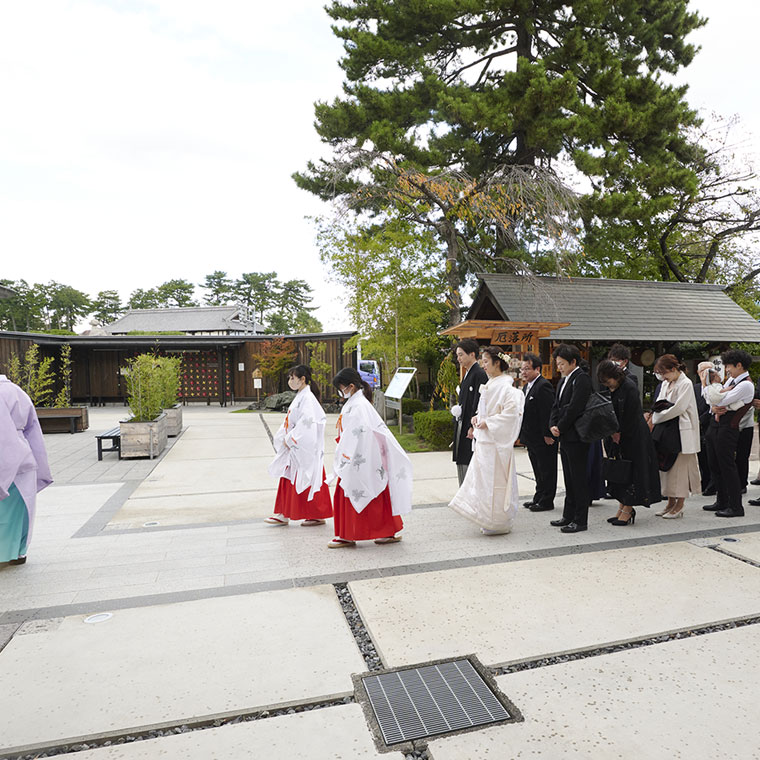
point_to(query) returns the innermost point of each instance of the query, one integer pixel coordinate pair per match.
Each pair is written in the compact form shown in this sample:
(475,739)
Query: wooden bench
(114,436)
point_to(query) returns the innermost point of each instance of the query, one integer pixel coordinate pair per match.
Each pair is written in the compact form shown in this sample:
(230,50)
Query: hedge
(435,427)
(414,405)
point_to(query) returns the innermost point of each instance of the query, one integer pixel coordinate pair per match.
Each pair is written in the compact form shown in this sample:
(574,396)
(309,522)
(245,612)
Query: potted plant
(37,377)
(168,369)
(144,434)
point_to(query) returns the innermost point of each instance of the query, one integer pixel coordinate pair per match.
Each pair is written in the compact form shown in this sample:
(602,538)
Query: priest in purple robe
(24,470)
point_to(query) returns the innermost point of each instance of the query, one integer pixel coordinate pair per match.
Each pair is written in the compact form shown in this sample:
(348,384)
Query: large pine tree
(475,85)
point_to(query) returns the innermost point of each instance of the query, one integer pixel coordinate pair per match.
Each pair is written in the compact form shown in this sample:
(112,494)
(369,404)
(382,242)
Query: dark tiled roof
(6,292)
(620,309)
(185,319)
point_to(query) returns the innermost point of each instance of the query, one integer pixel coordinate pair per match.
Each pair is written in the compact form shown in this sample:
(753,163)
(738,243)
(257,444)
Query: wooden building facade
(214,368)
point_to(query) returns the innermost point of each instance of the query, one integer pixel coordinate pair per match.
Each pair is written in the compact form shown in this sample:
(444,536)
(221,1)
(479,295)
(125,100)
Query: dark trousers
(704,464)
(574,456)
(722,441)
(743,448)
(543,460)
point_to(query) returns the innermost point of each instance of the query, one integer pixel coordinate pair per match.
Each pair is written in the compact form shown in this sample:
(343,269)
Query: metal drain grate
(430,700)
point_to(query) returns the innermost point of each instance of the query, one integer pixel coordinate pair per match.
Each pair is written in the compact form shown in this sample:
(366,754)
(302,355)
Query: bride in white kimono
(488,496)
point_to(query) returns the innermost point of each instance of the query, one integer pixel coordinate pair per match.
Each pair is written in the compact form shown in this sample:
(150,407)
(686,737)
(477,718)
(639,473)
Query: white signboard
(256,383)
(241,367)
(400,382)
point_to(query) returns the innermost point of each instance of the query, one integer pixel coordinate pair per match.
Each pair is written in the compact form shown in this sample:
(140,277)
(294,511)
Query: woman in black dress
(632,443)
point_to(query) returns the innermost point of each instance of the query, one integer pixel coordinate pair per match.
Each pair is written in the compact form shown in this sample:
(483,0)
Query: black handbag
(617,470)
(598,419)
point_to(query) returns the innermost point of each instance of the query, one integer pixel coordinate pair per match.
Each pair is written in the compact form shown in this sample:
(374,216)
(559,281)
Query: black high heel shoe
(611,520)
(630,521)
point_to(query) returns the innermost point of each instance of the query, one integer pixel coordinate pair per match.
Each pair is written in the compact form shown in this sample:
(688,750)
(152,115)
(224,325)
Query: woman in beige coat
(683,477)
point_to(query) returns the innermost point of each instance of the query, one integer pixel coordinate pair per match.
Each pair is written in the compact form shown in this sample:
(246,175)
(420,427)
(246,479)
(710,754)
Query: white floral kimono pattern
(368,458)
(488,496)
(300,444)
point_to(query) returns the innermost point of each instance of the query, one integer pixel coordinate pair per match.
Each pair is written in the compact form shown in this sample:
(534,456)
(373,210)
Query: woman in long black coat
(632,443)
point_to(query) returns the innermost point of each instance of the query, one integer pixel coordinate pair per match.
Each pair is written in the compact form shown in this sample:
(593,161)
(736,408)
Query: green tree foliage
(23,311)
(476,86)
(321,370)
(394,278)
(145,393)
(167,369)
(34,375)
(107,307)
(219,289)
(291,312)
(709,235)
(40,307)
(65,306)
(176,293)
(144,299)
(257,291)
(63,399)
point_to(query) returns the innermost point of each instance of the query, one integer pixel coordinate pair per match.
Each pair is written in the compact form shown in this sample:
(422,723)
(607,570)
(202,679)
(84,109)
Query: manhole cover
(731,540)
(434,699)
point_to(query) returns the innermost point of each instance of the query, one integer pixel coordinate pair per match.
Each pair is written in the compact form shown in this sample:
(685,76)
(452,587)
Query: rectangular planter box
(173,420)
(54,420)
(143,439)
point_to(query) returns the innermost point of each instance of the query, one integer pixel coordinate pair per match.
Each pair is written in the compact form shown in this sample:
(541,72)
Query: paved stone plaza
(634,642)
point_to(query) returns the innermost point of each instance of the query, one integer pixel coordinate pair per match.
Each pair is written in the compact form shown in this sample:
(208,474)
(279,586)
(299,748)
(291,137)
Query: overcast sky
(142,140)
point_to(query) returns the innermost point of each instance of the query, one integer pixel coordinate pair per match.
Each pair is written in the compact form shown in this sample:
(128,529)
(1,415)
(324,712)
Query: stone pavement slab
(335,733)
(535,608)
(166,664)
(194,509)
(690,699)
(747,546)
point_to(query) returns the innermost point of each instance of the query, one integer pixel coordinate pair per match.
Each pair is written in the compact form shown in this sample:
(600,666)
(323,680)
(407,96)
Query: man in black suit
(469,394)
(573,393)
(535,434)
(621,355)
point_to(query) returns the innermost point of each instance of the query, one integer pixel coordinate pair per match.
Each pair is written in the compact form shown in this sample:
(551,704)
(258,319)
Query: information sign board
(400,382)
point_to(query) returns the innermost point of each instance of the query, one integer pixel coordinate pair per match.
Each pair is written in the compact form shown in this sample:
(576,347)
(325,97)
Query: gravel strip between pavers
(185,728)
(636,644)
(355,623)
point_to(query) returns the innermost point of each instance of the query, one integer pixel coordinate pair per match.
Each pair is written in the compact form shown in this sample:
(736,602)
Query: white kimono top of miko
(23,459)
(368,458)
(299,444)
(488,496)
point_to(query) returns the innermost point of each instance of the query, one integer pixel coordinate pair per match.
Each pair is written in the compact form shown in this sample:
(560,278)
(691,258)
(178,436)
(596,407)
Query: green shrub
(144,392)
(167,369)
(413,405)
(435,427)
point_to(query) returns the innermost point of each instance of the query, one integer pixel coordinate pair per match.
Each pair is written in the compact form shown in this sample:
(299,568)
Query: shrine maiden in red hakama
(299,444)
(374,473)
(24,470)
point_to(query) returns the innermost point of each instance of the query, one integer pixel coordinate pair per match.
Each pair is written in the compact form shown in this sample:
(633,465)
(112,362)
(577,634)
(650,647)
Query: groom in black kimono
(469,394)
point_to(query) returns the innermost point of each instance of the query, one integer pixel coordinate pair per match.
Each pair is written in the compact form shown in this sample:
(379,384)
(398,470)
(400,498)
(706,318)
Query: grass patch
(412,443)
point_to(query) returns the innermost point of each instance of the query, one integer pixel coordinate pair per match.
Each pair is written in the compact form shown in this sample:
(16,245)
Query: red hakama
(375,521)
(296,506)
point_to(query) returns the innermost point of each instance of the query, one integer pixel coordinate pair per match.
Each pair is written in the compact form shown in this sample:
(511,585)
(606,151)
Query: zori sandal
(339,543)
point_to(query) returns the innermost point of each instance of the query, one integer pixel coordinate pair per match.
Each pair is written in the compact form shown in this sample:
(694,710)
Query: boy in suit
(536,436)
(469,394)
(572,395)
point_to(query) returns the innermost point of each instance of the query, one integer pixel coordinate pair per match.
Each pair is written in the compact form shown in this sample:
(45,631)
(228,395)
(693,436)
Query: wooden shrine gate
(517,338)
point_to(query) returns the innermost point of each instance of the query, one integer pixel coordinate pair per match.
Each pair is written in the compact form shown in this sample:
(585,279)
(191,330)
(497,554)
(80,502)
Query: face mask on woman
(345,394)
(659,377)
